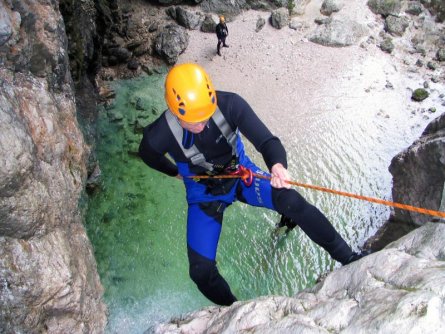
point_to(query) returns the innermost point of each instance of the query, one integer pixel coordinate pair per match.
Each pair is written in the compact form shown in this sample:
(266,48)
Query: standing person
(221,32)
(200,131)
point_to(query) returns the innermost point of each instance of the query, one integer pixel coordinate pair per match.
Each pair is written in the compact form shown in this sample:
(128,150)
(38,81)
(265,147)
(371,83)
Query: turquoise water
(137,226)
(137,221)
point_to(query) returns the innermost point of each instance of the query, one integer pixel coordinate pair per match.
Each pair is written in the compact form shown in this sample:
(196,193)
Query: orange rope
(336,192)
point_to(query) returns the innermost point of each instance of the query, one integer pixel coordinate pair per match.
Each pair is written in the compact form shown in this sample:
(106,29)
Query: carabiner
(246,175)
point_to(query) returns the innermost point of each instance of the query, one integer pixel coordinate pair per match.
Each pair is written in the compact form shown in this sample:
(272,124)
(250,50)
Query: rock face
(419,174)
(396,290)
(48,277)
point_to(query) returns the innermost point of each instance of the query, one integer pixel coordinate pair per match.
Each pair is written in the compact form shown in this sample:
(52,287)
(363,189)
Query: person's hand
(279,176)
(179,176)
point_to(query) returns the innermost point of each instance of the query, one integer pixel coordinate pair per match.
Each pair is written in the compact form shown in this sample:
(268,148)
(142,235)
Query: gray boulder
(396,25)
(188,19)
(387,45)
(440,54)
(208,25)
(385,7)
(419,174)
(436,7)
(279,18)
(414,8)
(228,8)
(331,6)
(338,33)
(171,42)
(260,23)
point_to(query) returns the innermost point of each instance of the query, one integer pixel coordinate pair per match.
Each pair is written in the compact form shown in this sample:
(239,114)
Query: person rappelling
(201,131)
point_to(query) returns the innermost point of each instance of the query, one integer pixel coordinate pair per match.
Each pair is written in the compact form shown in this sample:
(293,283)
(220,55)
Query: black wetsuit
(221,32)
(208,199)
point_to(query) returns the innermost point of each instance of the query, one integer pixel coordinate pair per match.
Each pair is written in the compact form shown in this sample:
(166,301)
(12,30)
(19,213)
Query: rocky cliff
(419,174)
(397,290)
(419,179)
(48,277)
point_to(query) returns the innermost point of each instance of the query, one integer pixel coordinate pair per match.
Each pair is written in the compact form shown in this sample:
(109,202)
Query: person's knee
(288,202)
(201,273)
(201,269)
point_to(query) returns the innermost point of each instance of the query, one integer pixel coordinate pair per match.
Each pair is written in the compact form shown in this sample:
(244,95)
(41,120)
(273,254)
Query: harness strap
(192,153)
(226,130)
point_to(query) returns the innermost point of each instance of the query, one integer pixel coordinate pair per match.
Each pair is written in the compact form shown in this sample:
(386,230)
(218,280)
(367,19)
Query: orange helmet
(222,19)
(189,93)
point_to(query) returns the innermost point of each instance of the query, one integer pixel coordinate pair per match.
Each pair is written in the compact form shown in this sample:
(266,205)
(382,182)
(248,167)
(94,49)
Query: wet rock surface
(50,79)
(395,290)
(48,277)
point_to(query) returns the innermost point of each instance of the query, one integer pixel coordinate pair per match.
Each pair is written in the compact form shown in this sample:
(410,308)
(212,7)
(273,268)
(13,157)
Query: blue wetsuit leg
(203,230)
(204,224)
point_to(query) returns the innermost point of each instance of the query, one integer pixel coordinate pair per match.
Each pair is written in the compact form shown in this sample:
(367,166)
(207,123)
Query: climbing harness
(247,176)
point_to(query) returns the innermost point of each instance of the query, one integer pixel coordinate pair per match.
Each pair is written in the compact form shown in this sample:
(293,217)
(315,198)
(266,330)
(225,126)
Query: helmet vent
(177,95)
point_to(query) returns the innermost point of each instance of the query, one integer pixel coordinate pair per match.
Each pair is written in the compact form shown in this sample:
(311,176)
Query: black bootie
(338,249)
(356,256)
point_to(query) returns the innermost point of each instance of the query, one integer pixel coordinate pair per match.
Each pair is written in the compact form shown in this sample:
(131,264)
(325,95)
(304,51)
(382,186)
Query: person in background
(200,132)
(221,32)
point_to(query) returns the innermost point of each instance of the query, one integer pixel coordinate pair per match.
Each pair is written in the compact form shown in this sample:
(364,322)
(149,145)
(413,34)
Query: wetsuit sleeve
(155,158)
(257,133)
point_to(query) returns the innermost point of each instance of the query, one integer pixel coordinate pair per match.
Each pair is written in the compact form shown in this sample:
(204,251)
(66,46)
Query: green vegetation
(290,6)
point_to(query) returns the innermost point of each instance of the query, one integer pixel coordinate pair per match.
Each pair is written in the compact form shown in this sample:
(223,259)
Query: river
(342,114)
